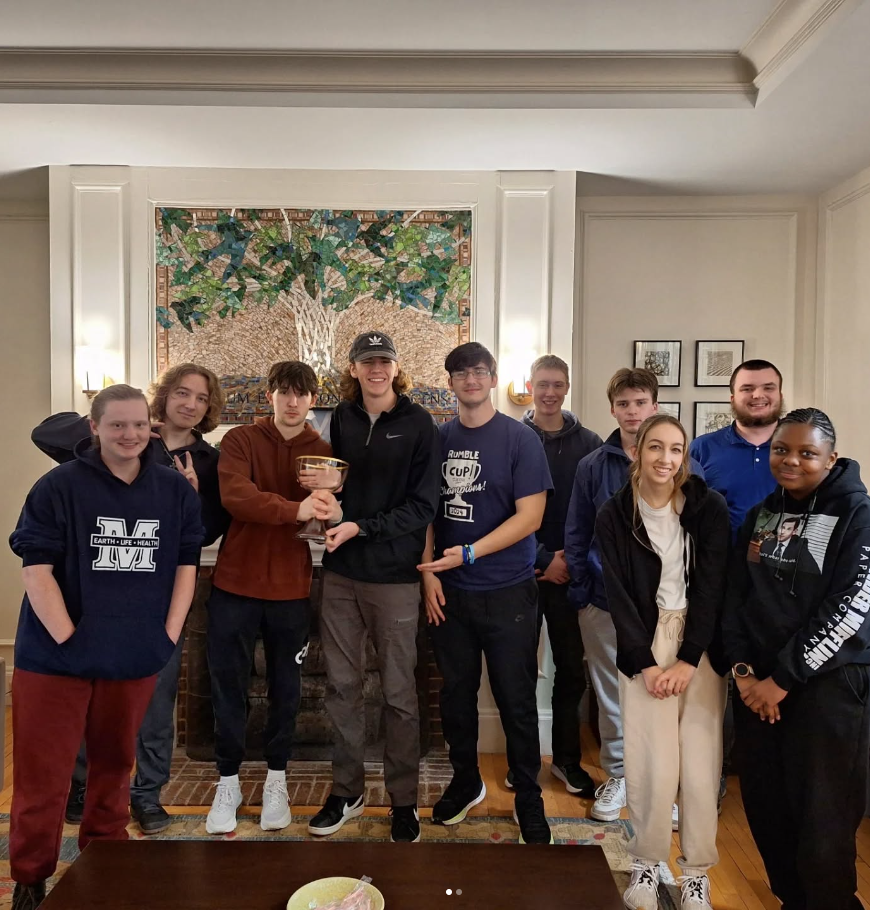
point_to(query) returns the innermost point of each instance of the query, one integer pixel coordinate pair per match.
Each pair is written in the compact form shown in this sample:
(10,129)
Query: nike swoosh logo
(393,435)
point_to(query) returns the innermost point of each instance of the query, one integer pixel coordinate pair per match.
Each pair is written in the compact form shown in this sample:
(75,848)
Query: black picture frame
(717,372)
(662,358)
(704,411)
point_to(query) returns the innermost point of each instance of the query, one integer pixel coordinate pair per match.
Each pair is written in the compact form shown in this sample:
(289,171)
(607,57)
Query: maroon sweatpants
(49,716)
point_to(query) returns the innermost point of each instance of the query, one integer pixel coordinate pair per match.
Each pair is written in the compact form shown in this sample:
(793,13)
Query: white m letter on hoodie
(123,552)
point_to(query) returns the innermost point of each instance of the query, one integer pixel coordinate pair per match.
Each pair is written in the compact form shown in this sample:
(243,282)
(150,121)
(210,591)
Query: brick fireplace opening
(313,741)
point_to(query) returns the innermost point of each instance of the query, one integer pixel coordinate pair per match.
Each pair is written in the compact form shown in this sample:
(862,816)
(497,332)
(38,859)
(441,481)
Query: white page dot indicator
(449,891)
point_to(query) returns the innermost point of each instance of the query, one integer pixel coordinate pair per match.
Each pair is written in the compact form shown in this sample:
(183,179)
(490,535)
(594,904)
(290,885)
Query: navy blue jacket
(115,548)
(599,476)
(564,450)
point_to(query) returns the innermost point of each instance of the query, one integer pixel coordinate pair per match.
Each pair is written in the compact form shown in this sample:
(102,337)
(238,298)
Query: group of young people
(672,567)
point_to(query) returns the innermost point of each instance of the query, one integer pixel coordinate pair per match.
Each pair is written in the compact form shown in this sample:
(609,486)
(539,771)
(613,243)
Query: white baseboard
(491,736)
(7,652)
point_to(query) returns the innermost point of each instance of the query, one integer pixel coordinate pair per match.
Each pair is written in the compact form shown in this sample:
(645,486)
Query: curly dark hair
(170,379)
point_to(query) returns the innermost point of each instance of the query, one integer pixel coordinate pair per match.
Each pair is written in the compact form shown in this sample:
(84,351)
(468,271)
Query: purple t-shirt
(484,471)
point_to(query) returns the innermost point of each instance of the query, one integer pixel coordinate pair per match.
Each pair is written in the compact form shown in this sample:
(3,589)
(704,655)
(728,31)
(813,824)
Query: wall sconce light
(519,372)
(91,364)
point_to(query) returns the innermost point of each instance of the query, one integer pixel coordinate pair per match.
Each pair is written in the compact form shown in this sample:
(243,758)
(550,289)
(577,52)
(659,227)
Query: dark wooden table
(234,875)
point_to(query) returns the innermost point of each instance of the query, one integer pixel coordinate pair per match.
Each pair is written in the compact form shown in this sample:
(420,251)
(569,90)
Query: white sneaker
(675,818)
(276,806)
(643,890)
(222,815)
(609,799)
(695,892)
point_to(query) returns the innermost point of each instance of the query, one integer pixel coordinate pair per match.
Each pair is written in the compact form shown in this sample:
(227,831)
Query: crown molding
(332,79)
(789,35)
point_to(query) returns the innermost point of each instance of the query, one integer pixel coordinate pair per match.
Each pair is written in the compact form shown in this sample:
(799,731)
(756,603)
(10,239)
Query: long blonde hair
(351,390)
(634,472)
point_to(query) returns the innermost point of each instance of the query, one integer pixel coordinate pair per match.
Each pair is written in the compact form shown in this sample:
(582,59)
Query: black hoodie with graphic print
(804,610)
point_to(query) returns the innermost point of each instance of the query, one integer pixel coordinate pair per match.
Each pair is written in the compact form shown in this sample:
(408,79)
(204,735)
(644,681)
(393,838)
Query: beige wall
(844,324)
(24,356)
(691,269)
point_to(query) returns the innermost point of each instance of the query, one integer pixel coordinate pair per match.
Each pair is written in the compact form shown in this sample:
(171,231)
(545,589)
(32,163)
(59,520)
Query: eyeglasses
(477,373)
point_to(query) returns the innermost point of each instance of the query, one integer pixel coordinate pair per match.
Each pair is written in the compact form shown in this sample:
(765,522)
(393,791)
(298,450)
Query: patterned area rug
(612,837)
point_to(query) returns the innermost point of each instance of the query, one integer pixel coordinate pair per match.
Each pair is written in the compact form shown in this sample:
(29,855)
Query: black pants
(233,625)
(502,625)
(804,782)
(569,681)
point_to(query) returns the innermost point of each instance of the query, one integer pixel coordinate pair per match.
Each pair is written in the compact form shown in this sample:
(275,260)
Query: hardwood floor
(738,882)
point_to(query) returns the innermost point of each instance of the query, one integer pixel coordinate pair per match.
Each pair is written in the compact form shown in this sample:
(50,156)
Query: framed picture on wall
(715,361)
(711,416)
(662,358)
(670,407)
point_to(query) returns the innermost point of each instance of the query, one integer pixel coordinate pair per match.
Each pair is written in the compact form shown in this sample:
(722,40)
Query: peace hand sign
(187,469)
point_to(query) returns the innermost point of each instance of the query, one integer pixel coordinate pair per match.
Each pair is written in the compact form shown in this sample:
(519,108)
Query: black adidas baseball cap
(372,344)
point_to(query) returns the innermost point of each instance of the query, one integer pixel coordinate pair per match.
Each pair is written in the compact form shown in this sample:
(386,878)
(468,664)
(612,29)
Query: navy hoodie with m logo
(115,548)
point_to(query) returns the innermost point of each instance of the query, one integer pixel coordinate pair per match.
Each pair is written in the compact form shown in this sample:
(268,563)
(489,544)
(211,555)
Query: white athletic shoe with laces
(643,890)
(276,806)
(609,799)
(695,892)
(222,815)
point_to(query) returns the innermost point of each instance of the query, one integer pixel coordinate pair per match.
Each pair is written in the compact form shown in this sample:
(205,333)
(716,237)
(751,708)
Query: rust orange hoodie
(260,556)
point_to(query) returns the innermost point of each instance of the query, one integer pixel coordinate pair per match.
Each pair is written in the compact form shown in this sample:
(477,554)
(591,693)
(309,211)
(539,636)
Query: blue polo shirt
(737,469)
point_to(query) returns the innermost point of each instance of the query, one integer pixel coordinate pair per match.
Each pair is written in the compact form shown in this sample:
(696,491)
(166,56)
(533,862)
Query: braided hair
(812,417)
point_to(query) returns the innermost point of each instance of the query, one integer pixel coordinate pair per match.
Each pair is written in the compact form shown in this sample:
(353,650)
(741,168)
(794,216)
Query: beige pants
(672,745)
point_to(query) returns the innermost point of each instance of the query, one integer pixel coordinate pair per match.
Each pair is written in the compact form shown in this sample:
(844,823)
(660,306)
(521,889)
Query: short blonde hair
(550,362)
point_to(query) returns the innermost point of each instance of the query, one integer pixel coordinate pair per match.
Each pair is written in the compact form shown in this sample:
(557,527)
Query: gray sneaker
(609,800)
(276,806)
(222,815)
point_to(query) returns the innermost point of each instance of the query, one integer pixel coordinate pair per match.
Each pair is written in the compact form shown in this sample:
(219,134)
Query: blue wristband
(468,554)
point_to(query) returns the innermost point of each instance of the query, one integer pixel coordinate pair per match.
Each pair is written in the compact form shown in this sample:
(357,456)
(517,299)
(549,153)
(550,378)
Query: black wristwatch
(741,670)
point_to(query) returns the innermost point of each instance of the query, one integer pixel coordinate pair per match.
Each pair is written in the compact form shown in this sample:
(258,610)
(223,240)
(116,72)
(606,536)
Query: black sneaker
(509,780)
(75,803)
(534,827)
(150,819)
(575,779)
(405,827)
(335,813)
(453,806)
(28,897)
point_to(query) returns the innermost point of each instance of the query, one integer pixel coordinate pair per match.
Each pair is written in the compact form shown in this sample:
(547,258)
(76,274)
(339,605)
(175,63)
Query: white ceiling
(810,134)
(555,25)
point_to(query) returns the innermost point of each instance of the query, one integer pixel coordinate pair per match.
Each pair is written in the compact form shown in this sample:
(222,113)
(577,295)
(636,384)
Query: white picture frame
(661,358)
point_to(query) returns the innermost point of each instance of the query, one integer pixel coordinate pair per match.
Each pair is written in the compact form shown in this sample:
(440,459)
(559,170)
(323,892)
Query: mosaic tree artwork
(225,275)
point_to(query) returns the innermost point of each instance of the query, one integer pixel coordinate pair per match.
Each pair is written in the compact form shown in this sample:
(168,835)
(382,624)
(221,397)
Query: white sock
(272,776)
(231,781)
